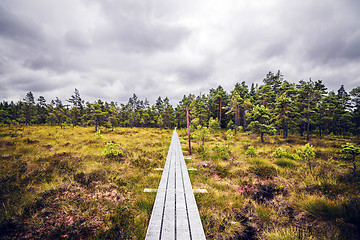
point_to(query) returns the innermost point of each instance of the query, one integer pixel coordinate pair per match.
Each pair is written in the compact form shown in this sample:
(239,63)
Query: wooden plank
(182,223)
(175,214)
(168,227)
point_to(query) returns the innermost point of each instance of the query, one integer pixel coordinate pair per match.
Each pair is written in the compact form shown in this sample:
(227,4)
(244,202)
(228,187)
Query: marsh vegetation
(73,183)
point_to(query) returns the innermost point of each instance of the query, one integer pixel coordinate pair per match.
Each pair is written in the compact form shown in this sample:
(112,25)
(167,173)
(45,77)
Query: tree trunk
(308,122)
(220,113)
(262,137)
(188,128)
(203,144)
(244,118)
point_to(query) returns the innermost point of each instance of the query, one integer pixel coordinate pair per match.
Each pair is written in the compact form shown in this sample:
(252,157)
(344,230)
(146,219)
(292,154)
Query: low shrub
(251,151)
(279,153)
(112,150)
(221,151)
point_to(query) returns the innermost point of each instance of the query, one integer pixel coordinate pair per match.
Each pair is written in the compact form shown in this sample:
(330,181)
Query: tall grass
(289,233)
(321,207)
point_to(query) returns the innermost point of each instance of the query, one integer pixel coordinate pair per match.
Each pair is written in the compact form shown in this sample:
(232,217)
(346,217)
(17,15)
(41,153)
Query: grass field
(73,183)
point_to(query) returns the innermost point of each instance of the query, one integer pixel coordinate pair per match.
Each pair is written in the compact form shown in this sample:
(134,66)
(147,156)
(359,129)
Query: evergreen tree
(345,121)
(244,103)
(28,107)
(349,152)
(200,109)
(219,99)
(29,98)
(285,111)
(97,113)
(179,110)
(234,107)
(355,98)
(76,100)
(112,116)
(319,93)
(305,104)
(42,110)
(167,113)
(260,121)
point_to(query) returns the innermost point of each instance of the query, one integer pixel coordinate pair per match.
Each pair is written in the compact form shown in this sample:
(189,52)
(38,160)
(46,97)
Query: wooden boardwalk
(175,214)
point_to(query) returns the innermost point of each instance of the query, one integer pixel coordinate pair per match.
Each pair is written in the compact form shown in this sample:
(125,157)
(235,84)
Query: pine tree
(28,107)
(305,103)
(234,107)
(355,98)
(219,100)
(200,109)
(349,152)
(319,93)
(112,116)
(167,113)
(244,102)
(285,110)
(260,121)
(42,110)
(97,114)
(76,100)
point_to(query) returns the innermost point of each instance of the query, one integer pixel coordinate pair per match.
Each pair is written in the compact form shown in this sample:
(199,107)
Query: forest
(278,106)
(279,161)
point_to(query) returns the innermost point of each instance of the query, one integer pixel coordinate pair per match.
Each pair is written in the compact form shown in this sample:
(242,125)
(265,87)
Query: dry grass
(254,196)
(56,183)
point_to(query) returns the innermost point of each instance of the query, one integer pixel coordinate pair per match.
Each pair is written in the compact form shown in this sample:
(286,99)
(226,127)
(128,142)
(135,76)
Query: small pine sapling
(214,125)
(306,154)
(349,152)
(251,151)
(202,134)
(112,150)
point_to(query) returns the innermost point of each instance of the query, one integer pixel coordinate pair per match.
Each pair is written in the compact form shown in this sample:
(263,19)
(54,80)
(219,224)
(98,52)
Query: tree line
(275,106)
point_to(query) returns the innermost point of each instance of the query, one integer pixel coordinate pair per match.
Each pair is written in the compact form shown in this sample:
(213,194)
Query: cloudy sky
(110,49)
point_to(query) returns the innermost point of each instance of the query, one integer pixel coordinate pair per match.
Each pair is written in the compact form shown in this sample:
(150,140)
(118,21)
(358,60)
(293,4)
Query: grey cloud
(42,62)
(326,30)
(171,48)
(76,39)
(193,74)
(352,46)
(33,83)
(135,29)
(16,28)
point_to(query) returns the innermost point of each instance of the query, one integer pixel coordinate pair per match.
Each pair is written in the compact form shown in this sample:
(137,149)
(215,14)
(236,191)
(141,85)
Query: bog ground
(73,183)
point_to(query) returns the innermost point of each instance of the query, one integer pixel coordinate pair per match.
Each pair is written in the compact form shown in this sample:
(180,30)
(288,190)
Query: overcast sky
(110,49)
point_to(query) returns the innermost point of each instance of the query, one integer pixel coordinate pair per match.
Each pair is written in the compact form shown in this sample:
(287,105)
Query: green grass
(322,207)
(285,163)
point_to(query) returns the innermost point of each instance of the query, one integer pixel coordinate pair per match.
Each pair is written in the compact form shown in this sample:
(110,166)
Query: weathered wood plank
(175,214)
